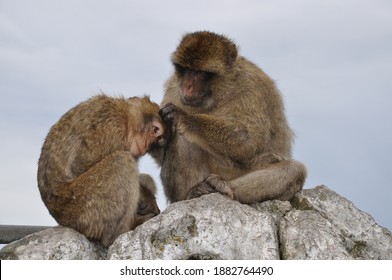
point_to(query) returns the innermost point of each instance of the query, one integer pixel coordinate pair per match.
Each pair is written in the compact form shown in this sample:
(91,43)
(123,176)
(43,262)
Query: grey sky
(332,60)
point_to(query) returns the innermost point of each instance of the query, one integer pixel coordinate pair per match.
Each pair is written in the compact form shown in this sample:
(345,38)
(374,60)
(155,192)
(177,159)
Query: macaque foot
(212,184)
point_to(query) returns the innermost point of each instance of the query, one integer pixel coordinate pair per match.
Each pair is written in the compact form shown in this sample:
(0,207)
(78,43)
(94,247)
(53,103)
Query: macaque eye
(209,75)
(179,69)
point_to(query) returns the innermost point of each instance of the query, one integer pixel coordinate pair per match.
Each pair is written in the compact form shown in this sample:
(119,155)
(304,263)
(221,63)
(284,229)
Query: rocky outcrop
(316,224)
(324,225)
(58,243)
(212,227)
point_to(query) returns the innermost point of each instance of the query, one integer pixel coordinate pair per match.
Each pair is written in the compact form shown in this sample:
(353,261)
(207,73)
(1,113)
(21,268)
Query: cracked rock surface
(316,224)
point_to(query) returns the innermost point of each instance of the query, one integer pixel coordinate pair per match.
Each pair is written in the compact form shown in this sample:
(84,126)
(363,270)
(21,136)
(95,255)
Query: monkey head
(146,126)
(199,58)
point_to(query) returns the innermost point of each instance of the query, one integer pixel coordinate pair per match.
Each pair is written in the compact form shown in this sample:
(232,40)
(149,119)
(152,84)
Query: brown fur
(227,118)
(192,54)
(87,172)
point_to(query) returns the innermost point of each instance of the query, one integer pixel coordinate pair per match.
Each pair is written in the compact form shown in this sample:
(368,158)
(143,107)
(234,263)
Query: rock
(276,208)
(361,236)
(316,224)
(307,235)
(57,243)
(211,227)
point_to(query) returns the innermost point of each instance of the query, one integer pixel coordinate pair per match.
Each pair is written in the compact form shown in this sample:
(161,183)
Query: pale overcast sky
(332,60)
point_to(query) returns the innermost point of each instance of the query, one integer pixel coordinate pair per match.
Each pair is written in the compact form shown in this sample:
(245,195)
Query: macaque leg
(148,207)
(186,167)
(277,181)
(105,197)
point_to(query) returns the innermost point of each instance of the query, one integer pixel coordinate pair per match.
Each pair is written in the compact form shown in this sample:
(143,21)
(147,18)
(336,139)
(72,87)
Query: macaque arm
(229,138)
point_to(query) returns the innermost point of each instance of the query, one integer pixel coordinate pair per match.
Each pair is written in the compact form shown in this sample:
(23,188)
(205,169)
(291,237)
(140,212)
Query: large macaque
(88,173)
(227,128)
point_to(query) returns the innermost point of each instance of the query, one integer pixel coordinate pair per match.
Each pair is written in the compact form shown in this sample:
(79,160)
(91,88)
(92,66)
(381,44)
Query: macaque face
(194,86)
(141,142)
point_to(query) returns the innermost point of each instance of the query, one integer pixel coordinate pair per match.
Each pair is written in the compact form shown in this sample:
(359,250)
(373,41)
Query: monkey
(88,174)
(147,206)
(226,127)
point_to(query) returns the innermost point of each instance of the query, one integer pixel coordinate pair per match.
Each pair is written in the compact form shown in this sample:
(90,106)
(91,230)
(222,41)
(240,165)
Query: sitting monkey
(87,172)
(228,129)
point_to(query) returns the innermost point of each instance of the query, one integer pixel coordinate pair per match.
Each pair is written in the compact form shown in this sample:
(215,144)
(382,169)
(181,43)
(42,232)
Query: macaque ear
(157,128)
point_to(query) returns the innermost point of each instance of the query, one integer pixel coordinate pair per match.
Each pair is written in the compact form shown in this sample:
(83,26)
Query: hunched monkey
(88,174)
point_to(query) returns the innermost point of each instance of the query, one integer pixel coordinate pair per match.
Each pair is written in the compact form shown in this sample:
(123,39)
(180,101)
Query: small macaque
(88,169)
